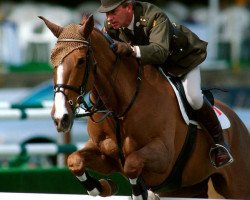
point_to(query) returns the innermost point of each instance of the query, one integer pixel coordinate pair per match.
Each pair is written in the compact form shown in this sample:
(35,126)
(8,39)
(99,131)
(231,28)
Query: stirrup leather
(218,146)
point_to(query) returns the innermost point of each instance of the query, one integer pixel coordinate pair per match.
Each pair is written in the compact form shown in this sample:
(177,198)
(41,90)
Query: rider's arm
(158,49)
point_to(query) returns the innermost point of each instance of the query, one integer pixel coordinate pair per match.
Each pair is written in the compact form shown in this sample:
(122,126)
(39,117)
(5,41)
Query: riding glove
(123,48)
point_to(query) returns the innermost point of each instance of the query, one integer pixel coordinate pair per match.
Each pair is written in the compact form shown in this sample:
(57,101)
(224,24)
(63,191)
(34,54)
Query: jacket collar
(131,25)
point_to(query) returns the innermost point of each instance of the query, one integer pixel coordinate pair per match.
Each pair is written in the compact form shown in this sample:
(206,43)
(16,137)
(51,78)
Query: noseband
(81,90)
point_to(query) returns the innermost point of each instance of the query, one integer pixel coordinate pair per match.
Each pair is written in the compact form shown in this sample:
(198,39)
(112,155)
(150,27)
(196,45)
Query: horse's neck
(115,82)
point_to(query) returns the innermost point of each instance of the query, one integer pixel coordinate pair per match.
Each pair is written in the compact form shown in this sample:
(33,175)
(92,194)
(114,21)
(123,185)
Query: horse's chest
(129,145)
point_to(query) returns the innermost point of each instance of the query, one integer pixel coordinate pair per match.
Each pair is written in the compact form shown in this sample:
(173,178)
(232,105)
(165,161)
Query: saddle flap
(224,121)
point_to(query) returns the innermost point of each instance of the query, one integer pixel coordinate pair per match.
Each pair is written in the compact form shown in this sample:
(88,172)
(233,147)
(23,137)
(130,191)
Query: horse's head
(72,59)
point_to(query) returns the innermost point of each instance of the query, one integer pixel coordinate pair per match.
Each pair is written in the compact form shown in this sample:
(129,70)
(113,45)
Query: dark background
(189,3)
(74,3)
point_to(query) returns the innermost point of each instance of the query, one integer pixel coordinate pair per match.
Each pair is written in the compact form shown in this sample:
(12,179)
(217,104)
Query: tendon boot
(219,153)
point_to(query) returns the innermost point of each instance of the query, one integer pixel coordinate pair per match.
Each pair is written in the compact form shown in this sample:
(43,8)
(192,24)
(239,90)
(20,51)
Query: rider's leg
(207,116)
(192,86)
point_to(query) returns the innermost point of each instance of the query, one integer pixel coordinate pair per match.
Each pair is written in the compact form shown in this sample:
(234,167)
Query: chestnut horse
(143,132)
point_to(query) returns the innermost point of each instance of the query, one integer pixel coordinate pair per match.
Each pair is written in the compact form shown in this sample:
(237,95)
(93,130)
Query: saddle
(173,181)
(188,113)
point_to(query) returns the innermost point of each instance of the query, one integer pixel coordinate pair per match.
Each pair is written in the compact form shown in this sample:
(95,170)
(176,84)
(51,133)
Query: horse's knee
(133,165)
(76,163)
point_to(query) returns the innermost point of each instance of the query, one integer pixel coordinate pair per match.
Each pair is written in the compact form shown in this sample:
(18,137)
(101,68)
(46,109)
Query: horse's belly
(192,173)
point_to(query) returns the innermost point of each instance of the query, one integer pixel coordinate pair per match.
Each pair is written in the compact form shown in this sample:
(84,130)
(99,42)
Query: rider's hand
(123,48)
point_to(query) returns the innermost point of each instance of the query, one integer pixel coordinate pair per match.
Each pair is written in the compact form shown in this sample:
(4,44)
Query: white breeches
(192,88)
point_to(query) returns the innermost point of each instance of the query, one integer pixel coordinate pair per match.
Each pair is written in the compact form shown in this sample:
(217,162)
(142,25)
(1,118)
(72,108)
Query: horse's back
(235,178)
(237,134)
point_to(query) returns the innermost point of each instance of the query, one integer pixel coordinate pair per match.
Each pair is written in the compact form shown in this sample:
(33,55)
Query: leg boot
(219,153)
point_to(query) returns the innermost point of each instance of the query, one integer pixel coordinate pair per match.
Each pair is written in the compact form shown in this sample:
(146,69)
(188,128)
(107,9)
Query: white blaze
(60,107)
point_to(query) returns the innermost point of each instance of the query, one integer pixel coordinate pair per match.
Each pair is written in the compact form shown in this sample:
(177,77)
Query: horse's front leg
(92,158)
(147,166)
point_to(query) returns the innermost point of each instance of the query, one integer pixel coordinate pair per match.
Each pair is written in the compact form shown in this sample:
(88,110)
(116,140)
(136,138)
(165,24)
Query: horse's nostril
(56,122)
(65,120)
(65,117)
(63,124)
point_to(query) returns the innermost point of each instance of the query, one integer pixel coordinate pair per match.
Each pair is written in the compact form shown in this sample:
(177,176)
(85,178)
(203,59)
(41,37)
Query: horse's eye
(81,61)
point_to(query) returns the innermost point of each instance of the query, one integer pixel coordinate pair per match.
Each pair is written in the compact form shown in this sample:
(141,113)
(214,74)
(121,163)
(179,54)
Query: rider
(143,30)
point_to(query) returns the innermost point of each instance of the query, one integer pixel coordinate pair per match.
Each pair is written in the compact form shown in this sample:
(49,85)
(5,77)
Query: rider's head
(119,13)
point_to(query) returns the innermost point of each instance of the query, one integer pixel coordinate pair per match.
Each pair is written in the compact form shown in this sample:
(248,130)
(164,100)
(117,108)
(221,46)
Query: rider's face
(120,17)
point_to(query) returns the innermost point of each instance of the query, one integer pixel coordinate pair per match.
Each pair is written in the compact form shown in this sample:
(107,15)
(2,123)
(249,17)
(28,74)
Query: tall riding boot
(219,153)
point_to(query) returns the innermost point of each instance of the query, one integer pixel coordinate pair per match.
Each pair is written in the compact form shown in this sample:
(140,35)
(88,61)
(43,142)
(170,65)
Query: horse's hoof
(152,196)
(109,187)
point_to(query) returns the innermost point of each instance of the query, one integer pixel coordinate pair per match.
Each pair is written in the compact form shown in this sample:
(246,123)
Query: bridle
(81,90)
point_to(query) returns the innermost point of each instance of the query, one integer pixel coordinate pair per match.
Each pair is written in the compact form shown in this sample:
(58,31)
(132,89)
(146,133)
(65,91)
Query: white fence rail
(37,196)
(19,111)
(39,148)
(34,111)
(29,113)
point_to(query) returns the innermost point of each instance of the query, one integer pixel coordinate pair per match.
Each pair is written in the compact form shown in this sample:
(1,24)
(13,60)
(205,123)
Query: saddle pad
(224,121)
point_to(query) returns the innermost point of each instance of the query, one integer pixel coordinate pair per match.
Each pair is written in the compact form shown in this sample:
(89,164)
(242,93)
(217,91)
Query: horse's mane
(100,32)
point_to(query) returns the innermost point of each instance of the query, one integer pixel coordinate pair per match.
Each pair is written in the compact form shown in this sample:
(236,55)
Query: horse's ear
(88,25)
(55,29)
(84,19)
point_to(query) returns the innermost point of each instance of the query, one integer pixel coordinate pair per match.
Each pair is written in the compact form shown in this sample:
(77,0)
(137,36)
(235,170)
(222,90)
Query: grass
(30,67)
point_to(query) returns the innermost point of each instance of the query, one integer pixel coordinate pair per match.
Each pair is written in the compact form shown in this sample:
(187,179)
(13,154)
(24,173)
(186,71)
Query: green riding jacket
(153,33)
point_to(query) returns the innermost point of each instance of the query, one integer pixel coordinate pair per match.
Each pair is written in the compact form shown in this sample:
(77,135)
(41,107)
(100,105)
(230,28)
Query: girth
(174,180)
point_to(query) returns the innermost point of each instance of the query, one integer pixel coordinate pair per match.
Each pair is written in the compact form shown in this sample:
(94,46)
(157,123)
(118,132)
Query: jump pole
(35,196)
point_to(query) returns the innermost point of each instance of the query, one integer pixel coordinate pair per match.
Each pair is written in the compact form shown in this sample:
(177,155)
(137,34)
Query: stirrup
(218,146)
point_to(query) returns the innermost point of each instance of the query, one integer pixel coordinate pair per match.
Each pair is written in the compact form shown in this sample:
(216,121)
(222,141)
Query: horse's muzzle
(64,124)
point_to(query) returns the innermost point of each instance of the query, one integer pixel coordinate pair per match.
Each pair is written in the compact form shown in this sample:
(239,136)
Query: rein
(108,113)
(138,84)
(116,117)
(138,80)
